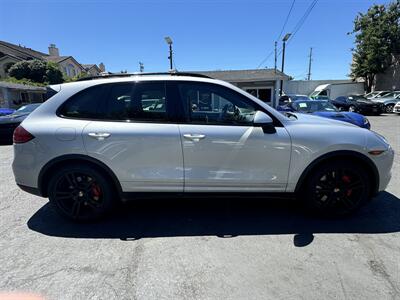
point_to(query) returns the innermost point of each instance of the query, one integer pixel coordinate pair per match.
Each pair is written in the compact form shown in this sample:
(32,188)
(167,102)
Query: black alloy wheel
(80,193)
(389,108)
(337,188)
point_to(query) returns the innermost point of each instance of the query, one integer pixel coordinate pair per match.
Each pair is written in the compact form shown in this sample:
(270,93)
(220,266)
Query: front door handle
(194,137)
(100,136)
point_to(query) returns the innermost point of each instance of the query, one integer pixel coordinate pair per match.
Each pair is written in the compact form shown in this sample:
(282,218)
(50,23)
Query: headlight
(366,121)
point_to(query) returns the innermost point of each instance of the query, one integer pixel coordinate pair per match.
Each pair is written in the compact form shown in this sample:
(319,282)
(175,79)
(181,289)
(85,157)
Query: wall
(305,87)
(11,98)
(66,64)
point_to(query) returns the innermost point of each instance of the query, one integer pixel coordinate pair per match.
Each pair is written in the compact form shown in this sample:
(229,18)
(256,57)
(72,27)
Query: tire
(81,193)
(389,108)
(327,193)
(352,108)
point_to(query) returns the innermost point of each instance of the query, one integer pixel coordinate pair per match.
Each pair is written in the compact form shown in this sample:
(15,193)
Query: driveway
(203,248)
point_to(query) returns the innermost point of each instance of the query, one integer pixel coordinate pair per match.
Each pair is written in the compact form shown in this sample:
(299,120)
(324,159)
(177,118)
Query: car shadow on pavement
(224,218)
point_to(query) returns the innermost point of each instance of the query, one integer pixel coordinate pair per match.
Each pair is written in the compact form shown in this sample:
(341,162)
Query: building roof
(245,75)
(18,86)
(20,51)
(56,59)
(89,66)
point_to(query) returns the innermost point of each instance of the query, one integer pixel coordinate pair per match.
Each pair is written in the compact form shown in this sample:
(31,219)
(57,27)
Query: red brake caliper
(96,191)
(346,179)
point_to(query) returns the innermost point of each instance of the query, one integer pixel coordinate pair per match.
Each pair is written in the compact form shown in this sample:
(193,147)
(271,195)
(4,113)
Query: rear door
(222,149)
(132,134)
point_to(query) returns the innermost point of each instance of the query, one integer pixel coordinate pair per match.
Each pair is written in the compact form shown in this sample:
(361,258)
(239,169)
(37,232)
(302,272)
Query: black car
(359,104)
(10,122)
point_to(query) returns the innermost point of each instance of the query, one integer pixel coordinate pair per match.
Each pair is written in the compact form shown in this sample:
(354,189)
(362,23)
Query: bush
(20,70)
(53,74)
(36,71)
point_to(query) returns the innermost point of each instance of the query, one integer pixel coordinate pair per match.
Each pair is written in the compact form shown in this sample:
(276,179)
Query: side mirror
(261,119)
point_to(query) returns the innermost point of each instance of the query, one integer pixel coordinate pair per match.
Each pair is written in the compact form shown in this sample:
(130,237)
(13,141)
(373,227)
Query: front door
(222,149)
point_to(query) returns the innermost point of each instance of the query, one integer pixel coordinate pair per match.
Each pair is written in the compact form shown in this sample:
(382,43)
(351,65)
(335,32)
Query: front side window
(214,105)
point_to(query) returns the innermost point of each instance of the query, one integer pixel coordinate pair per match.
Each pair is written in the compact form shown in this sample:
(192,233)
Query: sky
(207,34)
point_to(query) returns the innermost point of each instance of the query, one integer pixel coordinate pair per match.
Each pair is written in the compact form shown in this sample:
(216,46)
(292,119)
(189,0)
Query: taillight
(21,135)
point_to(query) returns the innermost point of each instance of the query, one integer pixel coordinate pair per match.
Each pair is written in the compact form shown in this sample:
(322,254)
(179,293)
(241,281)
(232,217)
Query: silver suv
(99,141)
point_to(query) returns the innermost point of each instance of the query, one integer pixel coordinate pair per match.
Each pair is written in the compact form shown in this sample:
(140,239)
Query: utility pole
(276,43)
(284,40)
(141,67)
(309,65)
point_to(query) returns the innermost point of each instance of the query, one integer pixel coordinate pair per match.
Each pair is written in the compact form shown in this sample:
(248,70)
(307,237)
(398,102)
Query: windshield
(359,99)
(313,106)
(391,95)
(299,97)
(26,108)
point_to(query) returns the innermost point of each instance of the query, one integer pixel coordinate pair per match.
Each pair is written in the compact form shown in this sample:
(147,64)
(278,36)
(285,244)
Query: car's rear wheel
(80,193)
(337,188)
(389,108)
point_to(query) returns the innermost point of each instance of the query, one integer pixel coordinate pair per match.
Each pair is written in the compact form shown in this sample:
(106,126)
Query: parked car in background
(287,98)
(101,146)
(396,108)
(6,111)
(376,94)
(359,104)
(8,123)
(326,109)
(389,100)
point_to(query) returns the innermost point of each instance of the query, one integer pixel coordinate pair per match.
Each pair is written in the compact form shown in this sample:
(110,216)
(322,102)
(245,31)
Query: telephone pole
(141,67)
(276,43)
(309,65)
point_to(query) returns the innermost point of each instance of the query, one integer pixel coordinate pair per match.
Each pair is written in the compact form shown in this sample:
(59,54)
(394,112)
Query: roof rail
(112,75)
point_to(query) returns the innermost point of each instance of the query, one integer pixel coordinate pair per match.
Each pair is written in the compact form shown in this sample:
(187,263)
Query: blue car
(325,109)
(6,111)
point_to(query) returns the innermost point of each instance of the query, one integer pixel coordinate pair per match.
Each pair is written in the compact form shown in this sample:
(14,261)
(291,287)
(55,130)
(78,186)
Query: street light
(169,42)
(284,40)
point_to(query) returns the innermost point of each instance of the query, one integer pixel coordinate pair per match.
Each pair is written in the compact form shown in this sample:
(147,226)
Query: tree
(36,71)
(53,74)
(377,41)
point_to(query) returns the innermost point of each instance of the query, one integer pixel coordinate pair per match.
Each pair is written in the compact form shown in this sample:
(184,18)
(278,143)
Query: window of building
(264,94)
(213,104)
(24,98)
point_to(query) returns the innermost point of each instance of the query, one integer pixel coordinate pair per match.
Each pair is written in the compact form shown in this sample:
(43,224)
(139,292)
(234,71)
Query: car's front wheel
(337,188)
(80,193)
(389,108)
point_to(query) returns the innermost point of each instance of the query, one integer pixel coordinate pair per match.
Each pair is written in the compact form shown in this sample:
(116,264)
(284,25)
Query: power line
(303,19)
(301,22)
(280,34)
(287,18)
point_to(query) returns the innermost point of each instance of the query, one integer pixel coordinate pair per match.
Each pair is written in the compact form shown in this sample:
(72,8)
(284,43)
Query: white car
(92,144)
(396,108)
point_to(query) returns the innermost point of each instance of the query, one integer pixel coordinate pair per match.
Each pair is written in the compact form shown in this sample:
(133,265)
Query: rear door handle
(194,137)
(100,136)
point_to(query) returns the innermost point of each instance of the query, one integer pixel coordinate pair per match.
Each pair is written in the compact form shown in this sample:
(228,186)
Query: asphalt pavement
(203,248)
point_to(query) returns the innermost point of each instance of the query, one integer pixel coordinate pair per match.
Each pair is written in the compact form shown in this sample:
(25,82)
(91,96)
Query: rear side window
(85,104)
(144,101)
